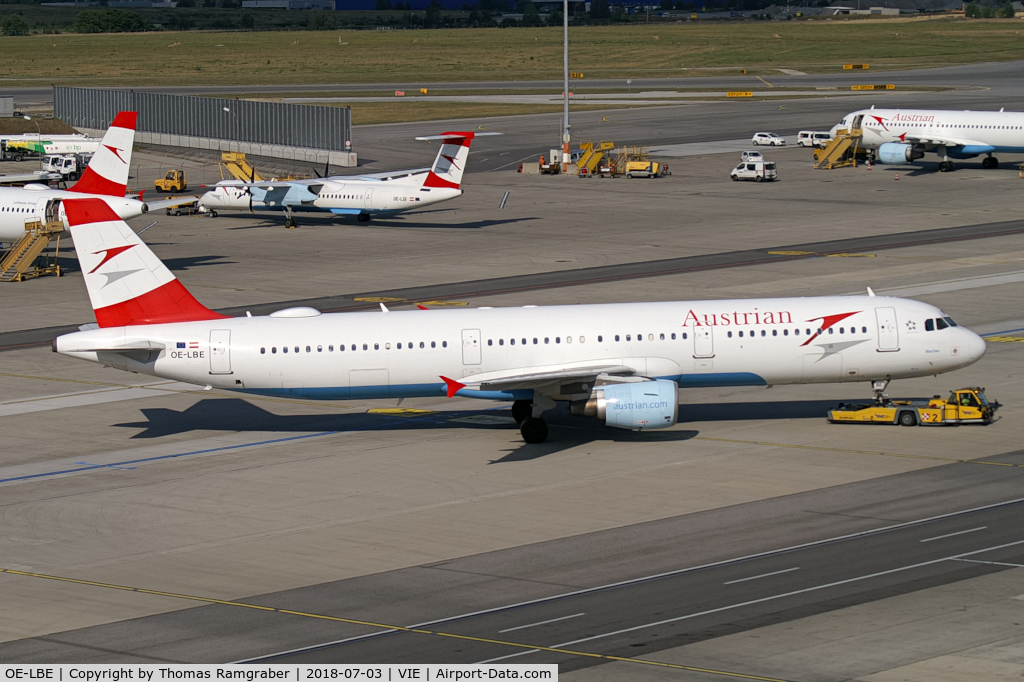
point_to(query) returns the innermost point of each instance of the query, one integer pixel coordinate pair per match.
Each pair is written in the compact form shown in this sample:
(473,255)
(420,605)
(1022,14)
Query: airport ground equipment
(646,169)
(235,165)
(591,156)
(964,406)
(69,166)
(174,181)
(840,151)
(26,259)
(187,209)
(550,166)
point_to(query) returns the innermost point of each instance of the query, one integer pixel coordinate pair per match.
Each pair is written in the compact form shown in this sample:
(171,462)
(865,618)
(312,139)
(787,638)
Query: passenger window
(376,346)
(661,337)
(512,342)
(263,351)
(535,340)
(308,349)
(729,334)
(319,349)
(775,332)
(639,337)
(684,335)
(490,342)
(433,344)
(600,338)
(929,325)
(547,340)
(764,333)
(444,344)
(741,335)
(616,337)
(558,339)
(297,349)
(864,330)
(501,342)
(796,332)
(650,337)
(524,342)
(387,346)
(422,345)
(365,347)
(330,349)
(284,349)
(673,336)
(940,323)
(273,350)
(399,345)
(785,332)
(629,337)
(568,339)
(831,330)
(842,330)
(582,339)
(352,347)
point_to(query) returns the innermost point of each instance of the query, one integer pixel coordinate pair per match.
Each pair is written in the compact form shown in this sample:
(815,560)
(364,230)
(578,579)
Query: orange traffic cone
(897,176)
(869,164)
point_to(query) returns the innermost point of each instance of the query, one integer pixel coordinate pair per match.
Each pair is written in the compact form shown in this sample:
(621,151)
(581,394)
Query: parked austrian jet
(904,135)
(105,178)
(623,363)
(363,196)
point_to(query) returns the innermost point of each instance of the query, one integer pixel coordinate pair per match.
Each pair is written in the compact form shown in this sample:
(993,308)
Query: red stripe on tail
(435,180)
(92,182)
(169,303)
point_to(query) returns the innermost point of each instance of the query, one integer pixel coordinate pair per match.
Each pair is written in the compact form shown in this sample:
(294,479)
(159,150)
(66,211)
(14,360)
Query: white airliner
(106,178)
(363,196)
(623,363)
(904,135)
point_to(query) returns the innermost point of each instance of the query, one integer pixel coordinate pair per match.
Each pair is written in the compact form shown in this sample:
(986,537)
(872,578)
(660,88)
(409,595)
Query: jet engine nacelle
(894,152)
(636,406)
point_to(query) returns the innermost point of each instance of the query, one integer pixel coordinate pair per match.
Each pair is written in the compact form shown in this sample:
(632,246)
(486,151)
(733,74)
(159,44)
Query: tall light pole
(565,85)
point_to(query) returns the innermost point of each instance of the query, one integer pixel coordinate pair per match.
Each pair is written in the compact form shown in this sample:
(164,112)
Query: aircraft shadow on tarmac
(399,222)
(187,263)
(785,409)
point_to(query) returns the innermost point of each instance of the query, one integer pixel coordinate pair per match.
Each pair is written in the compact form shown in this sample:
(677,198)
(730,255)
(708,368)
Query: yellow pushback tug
(964,406)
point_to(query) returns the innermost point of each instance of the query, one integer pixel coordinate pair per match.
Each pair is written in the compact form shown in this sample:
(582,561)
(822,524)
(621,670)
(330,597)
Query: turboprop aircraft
(623,363)
(363,196)
(105,178)
(905,135)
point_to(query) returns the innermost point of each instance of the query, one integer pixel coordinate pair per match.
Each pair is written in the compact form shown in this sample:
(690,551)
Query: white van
(758,171)
(813,138)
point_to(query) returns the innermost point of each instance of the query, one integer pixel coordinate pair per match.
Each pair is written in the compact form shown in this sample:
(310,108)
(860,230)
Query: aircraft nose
(973,346)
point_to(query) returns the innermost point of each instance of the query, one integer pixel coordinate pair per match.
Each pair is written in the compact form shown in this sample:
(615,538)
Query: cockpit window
(929,325)
(949,321)
(940,323)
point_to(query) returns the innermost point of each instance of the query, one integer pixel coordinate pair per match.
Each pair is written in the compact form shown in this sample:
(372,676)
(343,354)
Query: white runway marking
(959,532)
(93,397)
(543,622)
(763,575)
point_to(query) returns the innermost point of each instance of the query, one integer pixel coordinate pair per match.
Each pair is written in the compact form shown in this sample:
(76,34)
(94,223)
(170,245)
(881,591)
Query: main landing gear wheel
(945,166)
(364,217)
(990,162)
(289,223)
(212,214)
(522,410)
(534,430)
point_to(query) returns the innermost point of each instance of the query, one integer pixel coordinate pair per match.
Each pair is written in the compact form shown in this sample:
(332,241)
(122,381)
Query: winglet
(871,291)
(422,307)
(453,386)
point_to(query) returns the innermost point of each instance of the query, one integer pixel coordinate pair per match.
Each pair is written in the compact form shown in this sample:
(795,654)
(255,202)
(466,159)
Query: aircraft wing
(170,203)
(929,141)
(536,377)
(388,175)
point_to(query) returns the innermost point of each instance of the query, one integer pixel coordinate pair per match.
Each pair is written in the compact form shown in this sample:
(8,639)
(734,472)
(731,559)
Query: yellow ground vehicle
(174,181)
(646,169)
(964,406)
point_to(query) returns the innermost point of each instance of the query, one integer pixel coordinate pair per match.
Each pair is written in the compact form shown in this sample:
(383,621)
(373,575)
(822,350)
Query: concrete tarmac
(360,511)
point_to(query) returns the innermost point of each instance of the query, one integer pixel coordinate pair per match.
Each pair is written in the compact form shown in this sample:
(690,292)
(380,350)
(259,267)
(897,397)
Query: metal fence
(271,123)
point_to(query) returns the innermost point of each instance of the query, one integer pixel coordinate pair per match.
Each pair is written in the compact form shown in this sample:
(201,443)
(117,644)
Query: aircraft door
(368,200)
(703,341)
(888,332)
(53,212)
(471,347)
(857,122)
(220,351)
